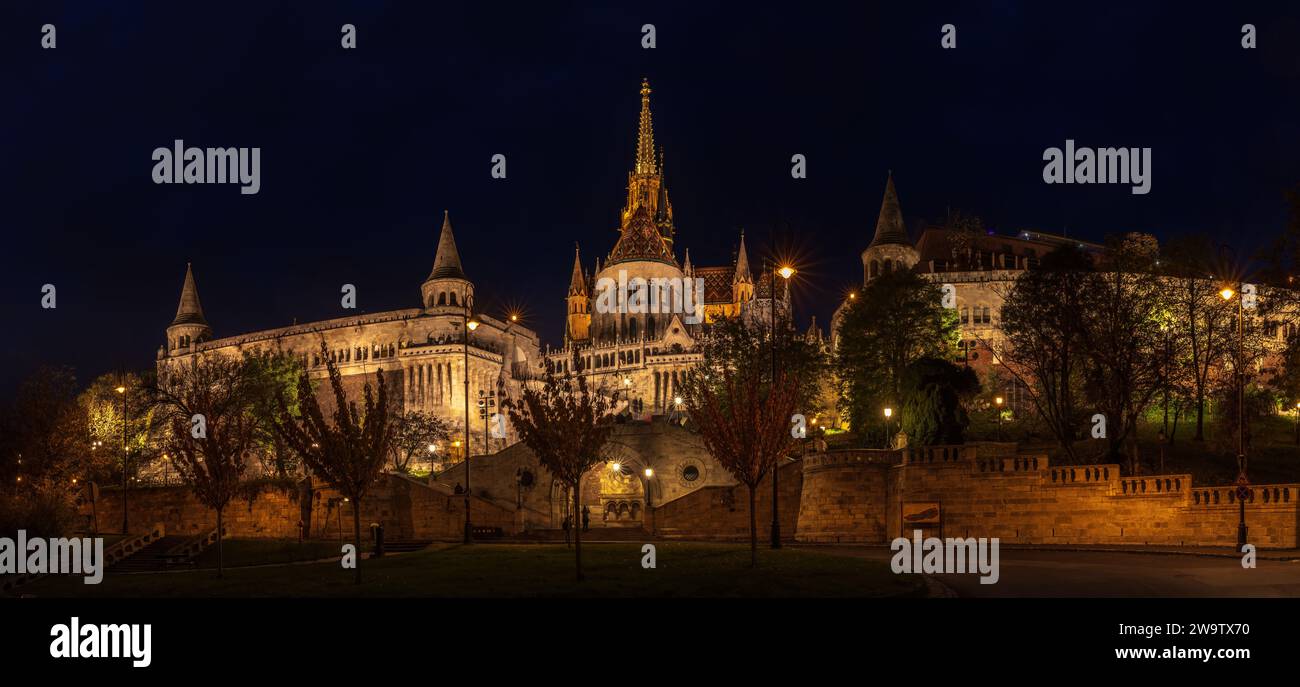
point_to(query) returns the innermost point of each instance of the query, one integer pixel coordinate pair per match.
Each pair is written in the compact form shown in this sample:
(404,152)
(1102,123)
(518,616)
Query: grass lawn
(237,552)
(510,570)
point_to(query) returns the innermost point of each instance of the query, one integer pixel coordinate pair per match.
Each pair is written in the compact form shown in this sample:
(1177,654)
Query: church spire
(190,311)
(687,269)
(446,264)
(645,138)
(889,225)
(577,282)
(742,262)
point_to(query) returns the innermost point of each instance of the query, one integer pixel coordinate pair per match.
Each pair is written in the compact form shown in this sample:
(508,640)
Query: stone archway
(614,490)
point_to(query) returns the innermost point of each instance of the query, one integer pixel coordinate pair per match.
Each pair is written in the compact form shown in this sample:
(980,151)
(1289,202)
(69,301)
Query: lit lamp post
(121,391)
(786,272)
(470,325)
(889,441)
(998,402)
(1243,490)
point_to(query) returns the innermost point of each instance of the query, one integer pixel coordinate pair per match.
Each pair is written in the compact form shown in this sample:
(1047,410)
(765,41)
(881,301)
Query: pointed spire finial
(446,262)
(577,281)
(742,261)
(189,311)
(645,139)
(889,225)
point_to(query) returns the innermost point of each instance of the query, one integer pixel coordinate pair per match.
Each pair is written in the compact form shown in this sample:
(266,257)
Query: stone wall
(722,512)
(407,509)
(857,496)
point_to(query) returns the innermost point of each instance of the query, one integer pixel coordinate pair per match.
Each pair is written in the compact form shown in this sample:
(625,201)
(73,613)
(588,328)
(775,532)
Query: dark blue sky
(363,149)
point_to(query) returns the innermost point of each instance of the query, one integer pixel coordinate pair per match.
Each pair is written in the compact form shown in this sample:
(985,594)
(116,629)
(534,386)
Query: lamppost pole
(470,325)
(786,272)
(776,469)
(1243,483)
(126,485)
(1241,428)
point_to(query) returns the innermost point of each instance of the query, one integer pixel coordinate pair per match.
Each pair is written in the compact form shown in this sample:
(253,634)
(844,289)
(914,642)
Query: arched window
(442,298)
(888,266)
(453,298)
(874,270)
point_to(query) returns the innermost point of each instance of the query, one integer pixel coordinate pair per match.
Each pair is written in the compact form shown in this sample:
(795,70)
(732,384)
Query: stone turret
(890,249)
(577,323)
(189,326)
(447,285)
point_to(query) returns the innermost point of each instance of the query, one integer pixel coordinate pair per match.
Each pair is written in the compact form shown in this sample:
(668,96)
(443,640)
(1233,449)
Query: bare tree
(744,422)
(417,432)
(566,424)
(207,405)
(1201,318)
(348,452)
(1040,345)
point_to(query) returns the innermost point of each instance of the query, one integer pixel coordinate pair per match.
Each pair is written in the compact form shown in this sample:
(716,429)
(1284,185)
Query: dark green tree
(897,319)
(934,396)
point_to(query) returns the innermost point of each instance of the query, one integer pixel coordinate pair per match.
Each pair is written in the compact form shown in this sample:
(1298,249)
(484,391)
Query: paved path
(1042,573)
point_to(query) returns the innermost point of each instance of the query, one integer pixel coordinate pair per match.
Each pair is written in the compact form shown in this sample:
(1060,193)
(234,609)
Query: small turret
(189,327)
(447,284)
(577,325)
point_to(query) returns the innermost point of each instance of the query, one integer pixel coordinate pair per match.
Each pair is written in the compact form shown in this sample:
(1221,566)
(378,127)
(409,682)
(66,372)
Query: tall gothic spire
(687,269)
(446,264)
(189,311)
(742,262)
(889,225)
(645,137)
(577,282)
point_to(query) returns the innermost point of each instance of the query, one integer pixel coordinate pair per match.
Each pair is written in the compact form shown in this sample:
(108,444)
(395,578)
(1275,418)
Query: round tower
(890,250)
(447,286)
(189,327)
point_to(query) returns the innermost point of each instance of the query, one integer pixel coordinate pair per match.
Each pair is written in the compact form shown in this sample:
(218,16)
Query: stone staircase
(405,545)
(151,558)
(595,534)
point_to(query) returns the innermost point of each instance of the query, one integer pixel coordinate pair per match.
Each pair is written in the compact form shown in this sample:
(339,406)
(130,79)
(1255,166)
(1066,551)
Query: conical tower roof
(889,225)
(446,264)
(190,311)
(577,282)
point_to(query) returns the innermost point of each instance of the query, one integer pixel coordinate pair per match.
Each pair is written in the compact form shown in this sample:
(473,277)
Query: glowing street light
(1227,293)
(649,472)
(786,272)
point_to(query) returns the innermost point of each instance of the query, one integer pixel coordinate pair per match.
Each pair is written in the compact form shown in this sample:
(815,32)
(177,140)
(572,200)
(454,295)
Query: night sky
(363,149)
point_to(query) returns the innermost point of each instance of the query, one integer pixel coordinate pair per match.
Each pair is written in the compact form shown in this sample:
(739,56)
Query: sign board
(920,513)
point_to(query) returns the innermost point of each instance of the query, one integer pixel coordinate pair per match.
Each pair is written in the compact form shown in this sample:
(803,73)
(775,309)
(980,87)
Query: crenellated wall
(985,491)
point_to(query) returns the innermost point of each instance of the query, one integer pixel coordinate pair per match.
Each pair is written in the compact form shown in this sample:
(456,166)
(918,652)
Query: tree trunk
(577,526)
(753,530)
(220,532)
(356,534)
(1200,417)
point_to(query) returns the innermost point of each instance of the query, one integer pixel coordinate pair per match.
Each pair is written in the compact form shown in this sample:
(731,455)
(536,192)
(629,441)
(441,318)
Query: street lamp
(121,391)
(1242,482)
(889,441)
(470,325)
(998,402)
(786,272)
